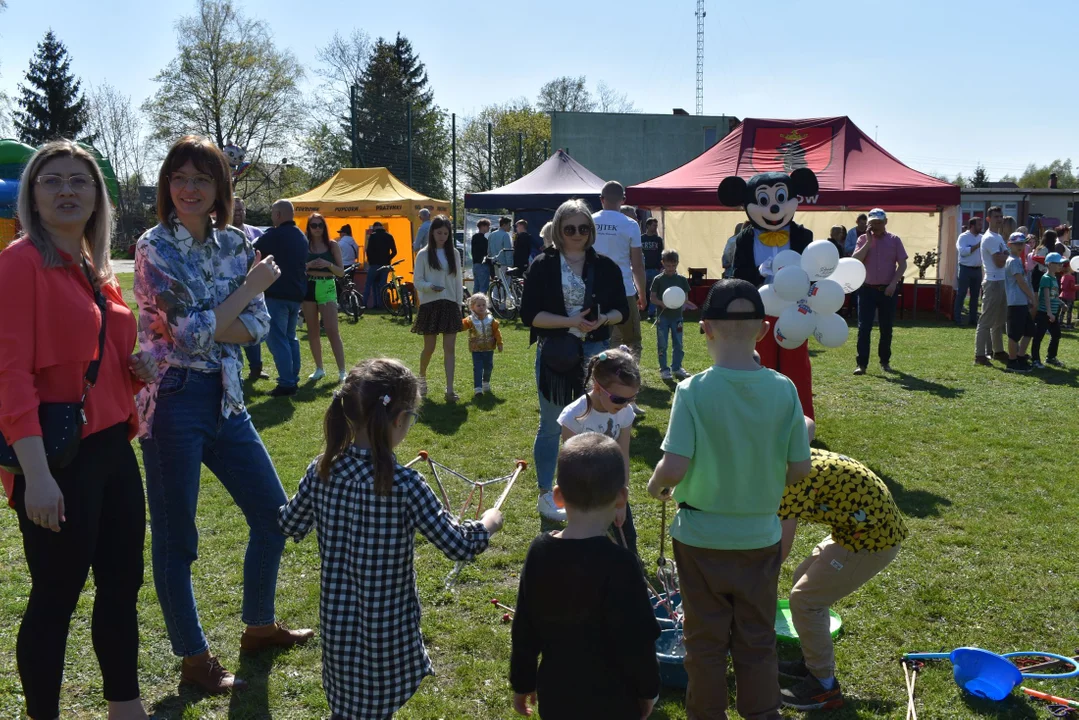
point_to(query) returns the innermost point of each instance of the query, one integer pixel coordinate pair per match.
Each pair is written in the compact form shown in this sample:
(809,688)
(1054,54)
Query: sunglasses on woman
(316,226)
(615,399)
(571,230)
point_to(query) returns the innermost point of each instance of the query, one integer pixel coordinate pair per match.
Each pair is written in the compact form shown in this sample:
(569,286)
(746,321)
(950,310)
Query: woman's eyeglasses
(316,226)
(179,181)
(570,230)
(78,183)
(615,399)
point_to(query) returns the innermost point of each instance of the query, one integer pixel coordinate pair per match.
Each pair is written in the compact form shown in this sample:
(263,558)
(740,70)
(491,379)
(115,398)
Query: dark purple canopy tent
(538,194)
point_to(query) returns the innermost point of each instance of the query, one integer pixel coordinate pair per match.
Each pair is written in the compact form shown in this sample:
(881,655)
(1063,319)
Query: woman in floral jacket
(199,285)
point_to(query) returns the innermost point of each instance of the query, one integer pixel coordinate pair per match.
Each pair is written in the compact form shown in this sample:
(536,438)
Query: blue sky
(942,84)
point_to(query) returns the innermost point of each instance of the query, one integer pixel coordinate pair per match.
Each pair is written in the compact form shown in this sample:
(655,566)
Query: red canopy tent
(853,171)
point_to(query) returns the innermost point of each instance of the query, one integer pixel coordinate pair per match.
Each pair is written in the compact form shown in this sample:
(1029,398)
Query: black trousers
(105,530)
(1042,325)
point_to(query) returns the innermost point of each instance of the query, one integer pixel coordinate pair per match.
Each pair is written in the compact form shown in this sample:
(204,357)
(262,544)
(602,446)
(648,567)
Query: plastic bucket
(984,674)
(671,654)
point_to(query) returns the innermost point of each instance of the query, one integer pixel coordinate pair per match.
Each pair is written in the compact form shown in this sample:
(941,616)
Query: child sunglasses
(615,399)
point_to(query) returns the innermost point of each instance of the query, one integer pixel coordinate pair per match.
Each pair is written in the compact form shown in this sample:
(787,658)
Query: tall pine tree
(51,102)
(393,80)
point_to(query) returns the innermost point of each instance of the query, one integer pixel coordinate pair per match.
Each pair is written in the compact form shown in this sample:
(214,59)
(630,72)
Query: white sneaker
(317,375)
(664,374)
(681,374)
(487,387)
(548,510)
(477,391)
(341,375)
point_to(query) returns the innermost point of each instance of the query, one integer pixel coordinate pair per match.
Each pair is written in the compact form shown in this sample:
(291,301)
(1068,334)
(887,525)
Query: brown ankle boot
(278,637)
(205,672)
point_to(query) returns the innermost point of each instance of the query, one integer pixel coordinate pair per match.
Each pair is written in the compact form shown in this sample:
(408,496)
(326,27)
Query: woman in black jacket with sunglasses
(572,296)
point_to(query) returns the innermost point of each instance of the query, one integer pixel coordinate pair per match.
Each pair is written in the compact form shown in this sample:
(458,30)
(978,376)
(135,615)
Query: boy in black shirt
(481,274)
(652,248)
(582,602)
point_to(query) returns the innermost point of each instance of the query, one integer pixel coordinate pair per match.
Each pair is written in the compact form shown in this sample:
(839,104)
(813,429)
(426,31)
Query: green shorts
(325,290)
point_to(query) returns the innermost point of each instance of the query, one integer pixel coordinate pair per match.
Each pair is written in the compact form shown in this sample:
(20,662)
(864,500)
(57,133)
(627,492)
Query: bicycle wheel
(499,300)
(353,305)
(391,300)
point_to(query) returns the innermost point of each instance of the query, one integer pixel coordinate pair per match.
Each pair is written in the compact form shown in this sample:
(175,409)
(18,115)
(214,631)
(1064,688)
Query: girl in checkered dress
(366,510)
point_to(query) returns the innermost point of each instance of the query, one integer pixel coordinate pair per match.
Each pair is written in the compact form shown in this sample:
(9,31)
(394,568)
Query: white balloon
(791,283)
(1075,264)
(820,259)
(850,274)
(785,258)
(773,304)
(826,297)
(674,297)
(832,330)
(795,325)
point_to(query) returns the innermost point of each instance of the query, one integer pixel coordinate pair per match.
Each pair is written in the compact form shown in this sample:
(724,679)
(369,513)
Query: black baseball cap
(723,293)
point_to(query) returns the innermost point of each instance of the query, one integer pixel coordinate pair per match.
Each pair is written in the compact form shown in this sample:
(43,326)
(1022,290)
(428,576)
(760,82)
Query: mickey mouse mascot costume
(770,201)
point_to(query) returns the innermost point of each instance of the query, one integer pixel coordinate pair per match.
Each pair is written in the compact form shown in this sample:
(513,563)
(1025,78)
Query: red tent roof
(853,171)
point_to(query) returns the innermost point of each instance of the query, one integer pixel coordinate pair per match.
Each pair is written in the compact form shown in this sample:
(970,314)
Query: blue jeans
(649,276)
(873,302)
(189,430)
(549,435)
(372,287)
(253,353)
(483,364)
(282,341)
(674,327)
(481,277)
(970,281)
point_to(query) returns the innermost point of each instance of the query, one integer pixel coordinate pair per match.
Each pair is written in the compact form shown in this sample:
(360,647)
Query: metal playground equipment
(474,500)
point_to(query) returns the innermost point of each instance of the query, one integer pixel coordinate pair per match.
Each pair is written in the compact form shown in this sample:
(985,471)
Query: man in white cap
(885,261)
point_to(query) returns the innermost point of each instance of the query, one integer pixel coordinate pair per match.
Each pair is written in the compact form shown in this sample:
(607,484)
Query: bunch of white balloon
(806,293)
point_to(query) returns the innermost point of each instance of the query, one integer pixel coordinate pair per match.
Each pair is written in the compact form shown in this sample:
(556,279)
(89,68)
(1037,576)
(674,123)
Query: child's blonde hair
(473,299)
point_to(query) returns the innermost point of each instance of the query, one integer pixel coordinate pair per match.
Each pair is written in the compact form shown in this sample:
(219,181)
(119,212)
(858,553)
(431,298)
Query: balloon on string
(831,331)
(785,258)
(773,304)
(791,283)
(674,297)
(850,274)
(826,297)
(1074,264)
(795,325)
(820,259)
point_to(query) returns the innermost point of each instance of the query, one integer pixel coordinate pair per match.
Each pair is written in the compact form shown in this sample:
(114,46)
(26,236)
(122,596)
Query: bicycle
(349,297)
(505,290)
(398,297)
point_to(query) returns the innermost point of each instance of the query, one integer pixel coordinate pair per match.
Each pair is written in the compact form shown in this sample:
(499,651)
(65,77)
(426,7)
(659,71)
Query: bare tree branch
(610,100)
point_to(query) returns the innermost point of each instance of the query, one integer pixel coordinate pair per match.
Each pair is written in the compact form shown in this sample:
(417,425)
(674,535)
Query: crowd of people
(736,456)
(1025,287)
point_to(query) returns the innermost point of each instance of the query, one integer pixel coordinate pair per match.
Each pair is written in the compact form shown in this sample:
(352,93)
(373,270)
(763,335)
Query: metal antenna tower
(700,56)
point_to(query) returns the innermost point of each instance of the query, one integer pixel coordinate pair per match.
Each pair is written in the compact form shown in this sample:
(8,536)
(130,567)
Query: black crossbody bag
(61,423)
(562,357)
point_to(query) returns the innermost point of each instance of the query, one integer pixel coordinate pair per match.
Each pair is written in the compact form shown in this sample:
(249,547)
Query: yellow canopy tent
(362,196)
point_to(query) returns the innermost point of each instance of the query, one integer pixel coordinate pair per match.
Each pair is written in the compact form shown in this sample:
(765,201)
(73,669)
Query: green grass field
(982,464)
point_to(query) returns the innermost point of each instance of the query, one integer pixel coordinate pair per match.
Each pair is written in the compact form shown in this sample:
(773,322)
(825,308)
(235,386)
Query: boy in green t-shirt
(737,437)
(1048,317)
(669,321)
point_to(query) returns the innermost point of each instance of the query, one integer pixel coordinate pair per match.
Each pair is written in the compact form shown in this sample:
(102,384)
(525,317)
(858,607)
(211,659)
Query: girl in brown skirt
(438,282)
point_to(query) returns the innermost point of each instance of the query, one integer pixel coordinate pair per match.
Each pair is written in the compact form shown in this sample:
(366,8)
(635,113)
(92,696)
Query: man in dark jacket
(380,250)
(522,248)
(288,245)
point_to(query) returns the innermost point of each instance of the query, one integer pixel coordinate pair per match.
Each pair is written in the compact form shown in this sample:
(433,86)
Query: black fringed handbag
(61,423)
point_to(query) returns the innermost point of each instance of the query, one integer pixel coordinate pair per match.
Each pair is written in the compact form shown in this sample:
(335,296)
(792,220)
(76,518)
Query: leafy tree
(565,94)
(513,123)
(325,150)
(230,82)
(979,178)
(394,81)
(1038,177)
(51,102)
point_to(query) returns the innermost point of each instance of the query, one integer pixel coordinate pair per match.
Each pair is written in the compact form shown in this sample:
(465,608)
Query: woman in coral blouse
(91,513)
